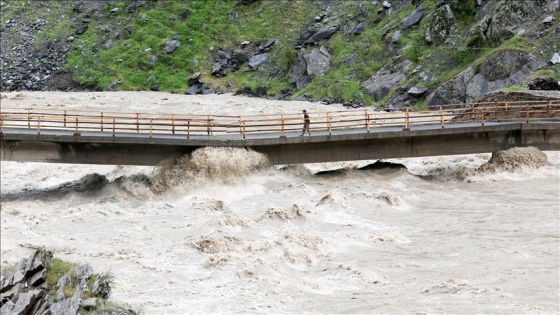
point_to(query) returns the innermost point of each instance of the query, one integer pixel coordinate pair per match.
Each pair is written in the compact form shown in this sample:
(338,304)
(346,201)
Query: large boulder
(501,22)
(318,61)
(382,83)
(298,71)
(442,24)
(503,69)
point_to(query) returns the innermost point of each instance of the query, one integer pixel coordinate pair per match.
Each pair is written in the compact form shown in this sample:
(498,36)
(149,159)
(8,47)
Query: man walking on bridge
(306,122)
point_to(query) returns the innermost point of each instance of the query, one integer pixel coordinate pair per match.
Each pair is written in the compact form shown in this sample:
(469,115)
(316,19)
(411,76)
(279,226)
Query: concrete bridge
(84,137)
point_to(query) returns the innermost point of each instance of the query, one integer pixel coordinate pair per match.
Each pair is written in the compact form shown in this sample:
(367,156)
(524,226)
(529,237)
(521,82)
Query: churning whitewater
(221,231)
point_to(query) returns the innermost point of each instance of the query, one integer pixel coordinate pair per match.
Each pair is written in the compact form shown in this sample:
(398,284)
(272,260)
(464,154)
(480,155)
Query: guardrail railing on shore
(188,125)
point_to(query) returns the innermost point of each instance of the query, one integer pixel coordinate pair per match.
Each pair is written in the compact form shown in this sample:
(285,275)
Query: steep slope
(390,53)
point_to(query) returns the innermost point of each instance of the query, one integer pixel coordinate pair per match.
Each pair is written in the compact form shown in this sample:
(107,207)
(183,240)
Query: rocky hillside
(381,53)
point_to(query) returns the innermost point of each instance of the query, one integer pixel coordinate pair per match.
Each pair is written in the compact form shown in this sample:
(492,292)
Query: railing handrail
(181,123)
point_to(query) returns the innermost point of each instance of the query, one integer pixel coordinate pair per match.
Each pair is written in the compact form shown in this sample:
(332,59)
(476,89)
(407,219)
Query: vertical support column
(282,121)
(244,130)
(137,123)
(368,124)
(76,125)
(151,121)
(29,119)
(188,129)
(442,114)
(1,124)
(527,112)
(113,127)
(173,124)
(101,121)
(64,119)
(38,125)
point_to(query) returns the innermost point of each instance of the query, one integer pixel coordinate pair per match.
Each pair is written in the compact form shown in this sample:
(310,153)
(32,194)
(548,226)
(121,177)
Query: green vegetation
(514,88)
(122,46)
(56,268)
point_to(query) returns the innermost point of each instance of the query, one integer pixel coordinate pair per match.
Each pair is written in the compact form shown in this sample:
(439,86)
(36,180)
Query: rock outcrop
(503,69)
(28,288)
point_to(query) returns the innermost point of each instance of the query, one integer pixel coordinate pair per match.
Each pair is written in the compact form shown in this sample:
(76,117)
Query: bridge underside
(284,150)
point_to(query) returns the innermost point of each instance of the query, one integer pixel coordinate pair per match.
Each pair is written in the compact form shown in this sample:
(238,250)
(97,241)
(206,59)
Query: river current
(223,232)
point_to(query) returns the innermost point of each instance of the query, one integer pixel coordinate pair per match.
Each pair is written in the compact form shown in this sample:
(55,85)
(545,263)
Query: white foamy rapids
(512,164)
(222,165)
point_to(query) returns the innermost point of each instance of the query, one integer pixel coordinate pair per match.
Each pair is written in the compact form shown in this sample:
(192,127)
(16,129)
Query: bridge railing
(186,125)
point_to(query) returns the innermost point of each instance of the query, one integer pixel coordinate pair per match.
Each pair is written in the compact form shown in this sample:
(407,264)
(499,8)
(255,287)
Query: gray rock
(396,36)
(216,69)
(109,44)
(194,79)
(413,19)
(26,301)
(7,308)
(170,46)
(151,59)
(555,59)
(90,303)
(82,29)
(502,24)
(321,34)
(318,61)
(386,4)
(193,89)
(257,60)
(298,71)
(503,69)
(242,55)
(245,43)
(382,83)
(416,91)
(359,29)
(548,20)
(442,24)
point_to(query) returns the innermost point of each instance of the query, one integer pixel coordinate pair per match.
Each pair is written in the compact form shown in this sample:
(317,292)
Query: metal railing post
(406,116)
(507,110)
(188,129)
(548,106)
(29,119)
(64,119)
(329,123)
(208,125)
(482,116)
(282,121)
(113,127)
(151,120)
(442,116)
(173,124)
(368,123)
(137,123)
(1,123)
(101,121)
(38,125)
(76,125)
(240,125)
(244,130)
(527,112)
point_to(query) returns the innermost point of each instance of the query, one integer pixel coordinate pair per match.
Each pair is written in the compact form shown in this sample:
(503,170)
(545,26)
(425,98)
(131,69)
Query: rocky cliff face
(388,53)
(37,285)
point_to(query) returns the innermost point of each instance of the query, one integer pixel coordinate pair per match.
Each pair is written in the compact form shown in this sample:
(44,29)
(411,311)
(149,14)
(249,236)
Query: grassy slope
(205,25)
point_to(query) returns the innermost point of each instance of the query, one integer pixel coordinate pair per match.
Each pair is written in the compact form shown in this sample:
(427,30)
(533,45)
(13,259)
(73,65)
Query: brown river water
(223,232)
